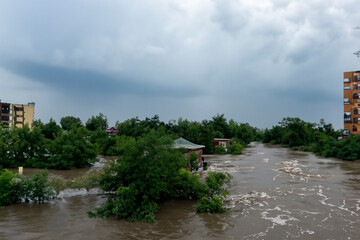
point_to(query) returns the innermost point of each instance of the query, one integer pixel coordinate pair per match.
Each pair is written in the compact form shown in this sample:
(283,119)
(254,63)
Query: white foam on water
(72,193)
(342,207)
(220,168)
(79,192)
(249,199)
(325,198)
(265,160)
(280,219)
(228,161)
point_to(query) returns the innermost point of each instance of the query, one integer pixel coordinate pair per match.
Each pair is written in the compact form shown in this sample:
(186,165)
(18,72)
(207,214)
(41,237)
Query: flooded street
(275,193)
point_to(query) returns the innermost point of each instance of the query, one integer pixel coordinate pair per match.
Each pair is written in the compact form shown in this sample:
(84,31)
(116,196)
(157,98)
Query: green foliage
(39,191)
(349,149)
(69,122)
(215,182)
(319,138)
(194,161)
(72,150)
(210,205)
(235,149)
(6,190)
(91,180)
(22,147)
(144,172)
(14,188)
(97,122)
(219,150)
(147,171)
(51,129)
(187,185)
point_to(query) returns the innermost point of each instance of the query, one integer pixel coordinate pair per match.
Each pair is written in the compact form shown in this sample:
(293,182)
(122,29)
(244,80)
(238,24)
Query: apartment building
(17,115)
(351,103)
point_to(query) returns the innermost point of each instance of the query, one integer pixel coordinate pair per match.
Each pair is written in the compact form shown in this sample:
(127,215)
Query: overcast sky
(255,61)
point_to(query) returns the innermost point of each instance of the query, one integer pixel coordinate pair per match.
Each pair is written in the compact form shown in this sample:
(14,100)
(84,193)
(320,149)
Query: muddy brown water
(275,193)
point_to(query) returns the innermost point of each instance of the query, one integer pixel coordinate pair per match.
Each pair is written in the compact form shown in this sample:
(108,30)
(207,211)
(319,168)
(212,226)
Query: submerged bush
(235,149)
(147,172)
(210,205)
(15,188)
(6,190)
(219,150)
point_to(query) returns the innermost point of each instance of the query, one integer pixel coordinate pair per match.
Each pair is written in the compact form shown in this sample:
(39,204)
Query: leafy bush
(219,150)
(6,190)
(92,180)
(210,205)
(39,191)
(15,188)
(188,185)
(194,161)
(235,149)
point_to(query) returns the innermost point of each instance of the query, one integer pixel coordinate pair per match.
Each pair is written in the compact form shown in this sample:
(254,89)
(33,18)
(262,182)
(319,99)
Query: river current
(275,193)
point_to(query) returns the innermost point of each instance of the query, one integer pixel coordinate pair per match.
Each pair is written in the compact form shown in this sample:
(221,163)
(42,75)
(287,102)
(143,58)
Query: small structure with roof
(224,142)
(112,131)
(190,147)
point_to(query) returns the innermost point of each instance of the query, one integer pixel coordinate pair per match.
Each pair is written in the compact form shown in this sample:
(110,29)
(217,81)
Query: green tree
(194,161)
(144,174)
(69,122)
(98,122)
(220,124)
(72,149)
(51,129)
(6,190)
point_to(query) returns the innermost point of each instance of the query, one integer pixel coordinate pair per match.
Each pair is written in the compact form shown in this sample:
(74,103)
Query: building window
(346,101)
(354,128)
(346,132)
(356,112)
(346,80)
(347,88)
(355,96)
(355,120)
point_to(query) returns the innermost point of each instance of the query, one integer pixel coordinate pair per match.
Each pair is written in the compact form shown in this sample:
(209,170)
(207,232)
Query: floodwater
(275,193)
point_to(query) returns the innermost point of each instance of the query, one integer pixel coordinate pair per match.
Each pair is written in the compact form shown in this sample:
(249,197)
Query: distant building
(351,103)
(224,142)
(112,131)
(17,115)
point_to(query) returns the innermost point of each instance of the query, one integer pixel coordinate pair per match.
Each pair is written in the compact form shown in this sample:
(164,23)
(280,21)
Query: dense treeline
(73,144)
(319,138)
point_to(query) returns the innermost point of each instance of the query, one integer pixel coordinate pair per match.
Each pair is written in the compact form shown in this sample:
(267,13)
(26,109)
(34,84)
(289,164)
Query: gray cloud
(179,58)
(79,81)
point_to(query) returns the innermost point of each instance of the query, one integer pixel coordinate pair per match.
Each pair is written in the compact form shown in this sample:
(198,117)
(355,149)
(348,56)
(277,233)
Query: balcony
(347,120)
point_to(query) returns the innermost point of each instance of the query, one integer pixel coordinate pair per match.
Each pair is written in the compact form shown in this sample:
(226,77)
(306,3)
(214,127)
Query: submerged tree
(147,171)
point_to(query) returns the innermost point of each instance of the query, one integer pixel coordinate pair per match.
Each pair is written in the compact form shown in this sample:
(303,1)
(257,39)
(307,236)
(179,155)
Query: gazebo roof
(183,143)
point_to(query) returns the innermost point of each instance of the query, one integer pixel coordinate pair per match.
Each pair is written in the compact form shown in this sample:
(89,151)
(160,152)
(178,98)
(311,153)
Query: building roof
(183,143)
(222,139)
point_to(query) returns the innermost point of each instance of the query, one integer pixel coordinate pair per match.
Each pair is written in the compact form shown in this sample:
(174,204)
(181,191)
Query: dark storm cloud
(83,81)
(187,58)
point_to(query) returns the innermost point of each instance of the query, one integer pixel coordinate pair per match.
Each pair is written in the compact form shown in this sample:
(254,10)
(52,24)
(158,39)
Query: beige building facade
(17,115)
